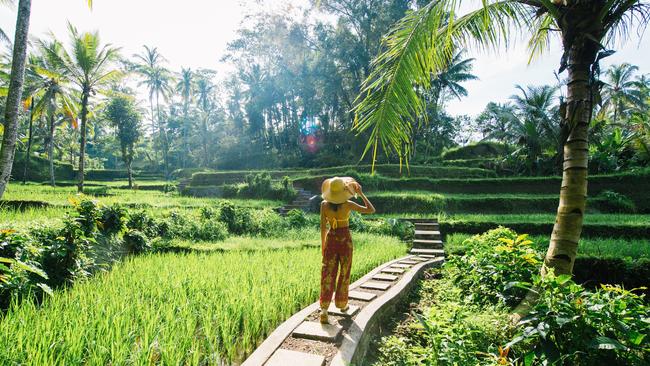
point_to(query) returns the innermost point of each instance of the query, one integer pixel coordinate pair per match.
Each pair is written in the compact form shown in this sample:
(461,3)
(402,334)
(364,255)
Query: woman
(336,242)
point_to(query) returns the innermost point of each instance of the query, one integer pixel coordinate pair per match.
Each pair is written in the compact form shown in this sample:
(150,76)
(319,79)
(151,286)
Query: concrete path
(303,341)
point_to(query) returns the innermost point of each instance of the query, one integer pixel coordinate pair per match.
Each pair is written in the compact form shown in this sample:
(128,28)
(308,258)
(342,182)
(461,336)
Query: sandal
(324,318)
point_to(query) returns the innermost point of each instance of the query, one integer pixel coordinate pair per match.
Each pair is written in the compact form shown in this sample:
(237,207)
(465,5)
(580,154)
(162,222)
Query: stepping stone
(418,259)
(401,265)
(318,331)
(427,232)
(363,296)
(408,261)
(428,243)
(428,251)
(284,357)
(392,270)
(384,277)
(376,285)
(429,256)
(352,309)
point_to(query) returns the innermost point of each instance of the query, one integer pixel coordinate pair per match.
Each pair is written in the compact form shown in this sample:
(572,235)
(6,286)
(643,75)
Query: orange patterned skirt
(337,260)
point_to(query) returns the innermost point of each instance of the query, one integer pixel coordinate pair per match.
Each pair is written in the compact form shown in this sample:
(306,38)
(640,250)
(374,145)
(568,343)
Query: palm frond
(422,43)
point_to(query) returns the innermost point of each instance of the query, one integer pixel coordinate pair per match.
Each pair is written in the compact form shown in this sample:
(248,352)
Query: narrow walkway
(301,202)
(303,341)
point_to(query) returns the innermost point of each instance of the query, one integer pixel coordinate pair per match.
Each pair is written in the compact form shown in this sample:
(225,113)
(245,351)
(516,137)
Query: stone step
(427,243)
(318,331)
(284,357)
(372,285)
(407,261)
(352,310)
(427,233)
(384,277)
(361,295)
(422,221)
(401,265)
(392,270)
(437,252)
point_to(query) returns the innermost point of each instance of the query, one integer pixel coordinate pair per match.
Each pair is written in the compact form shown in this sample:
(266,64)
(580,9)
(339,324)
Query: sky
(195,33)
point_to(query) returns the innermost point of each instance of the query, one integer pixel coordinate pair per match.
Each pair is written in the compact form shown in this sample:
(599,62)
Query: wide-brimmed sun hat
(337,190)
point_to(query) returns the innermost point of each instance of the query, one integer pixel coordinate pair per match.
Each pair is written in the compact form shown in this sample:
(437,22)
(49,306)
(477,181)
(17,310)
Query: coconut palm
(14,92)
(185,87)
(51,87)
(158,80)
(425,40)
(89,66)
(618,90)
(447,83)
(205,89)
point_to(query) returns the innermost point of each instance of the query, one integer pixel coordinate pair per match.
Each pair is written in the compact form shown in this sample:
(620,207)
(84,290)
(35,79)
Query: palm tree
(425,40)
(158,80)
(447,83)
(89,66)
(51,86)
(185,87)
(205,102)
(14,93)
(619,89)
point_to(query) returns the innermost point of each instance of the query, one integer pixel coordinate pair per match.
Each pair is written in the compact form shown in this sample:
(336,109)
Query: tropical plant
(186,88)
(158,80)
(55,97)
(88,65)
(14,93)
(425,40)
(123,114)
(618,91)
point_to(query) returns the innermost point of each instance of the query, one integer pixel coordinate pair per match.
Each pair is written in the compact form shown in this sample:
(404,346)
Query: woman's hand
(356,187)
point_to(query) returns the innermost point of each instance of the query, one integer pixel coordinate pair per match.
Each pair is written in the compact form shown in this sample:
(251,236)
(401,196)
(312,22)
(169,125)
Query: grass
(194,309)
(60,195)
(612,219)
(598,247)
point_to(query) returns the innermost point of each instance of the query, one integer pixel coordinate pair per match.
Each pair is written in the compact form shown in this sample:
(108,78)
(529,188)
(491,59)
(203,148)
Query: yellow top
(334,222)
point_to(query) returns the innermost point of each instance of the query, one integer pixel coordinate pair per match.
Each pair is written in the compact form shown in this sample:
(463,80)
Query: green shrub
(610,201)
(496,260)
(297,218)
(112,220)
(569,325)
(477,150)
(99,191)
(142,222)
(136,242)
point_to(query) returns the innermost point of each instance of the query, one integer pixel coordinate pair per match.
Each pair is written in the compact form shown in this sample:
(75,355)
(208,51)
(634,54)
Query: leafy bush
(261,186)
(142,222)
(100,191)
(136,242)
(572,326)
(181,226)
(496,261)
(297,218)
(476,151)
(610,201)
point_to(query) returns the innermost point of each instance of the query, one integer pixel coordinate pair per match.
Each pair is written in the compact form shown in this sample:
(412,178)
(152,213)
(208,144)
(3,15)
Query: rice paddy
(171,309)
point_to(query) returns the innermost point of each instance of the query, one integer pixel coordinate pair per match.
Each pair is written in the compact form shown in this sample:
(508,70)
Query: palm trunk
(50,148)
(14,94)
(82,147)
(163,140)
(563,246)
(29,141)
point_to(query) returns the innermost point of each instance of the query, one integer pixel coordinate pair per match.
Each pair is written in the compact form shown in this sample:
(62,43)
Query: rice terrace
(325,182)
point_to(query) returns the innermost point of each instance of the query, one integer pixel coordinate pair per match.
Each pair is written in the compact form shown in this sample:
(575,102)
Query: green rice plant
(191,309)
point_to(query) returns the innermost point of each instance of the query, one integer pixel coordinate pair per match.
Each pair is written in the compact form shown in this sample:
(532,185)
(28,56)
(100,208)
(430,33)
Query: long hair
(334,206)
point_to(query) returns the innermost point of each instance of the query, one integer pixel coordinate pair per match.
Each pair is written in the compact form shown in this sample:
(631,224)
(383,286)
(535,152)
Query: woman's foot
(345,308)
(324,319)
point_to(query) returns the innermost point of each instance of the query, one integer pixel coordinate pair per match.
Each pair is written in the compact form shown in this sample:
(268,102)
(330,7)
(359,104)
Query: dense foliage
(568,325)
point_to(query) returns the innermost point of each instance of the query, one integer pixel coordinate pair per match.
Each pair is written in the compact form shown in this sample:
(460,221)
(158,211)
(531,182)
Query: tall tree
(123,114)
(90,66)
(618,90)
(185,87)
(51,86)
(14,94)
(425,40)
(158,80)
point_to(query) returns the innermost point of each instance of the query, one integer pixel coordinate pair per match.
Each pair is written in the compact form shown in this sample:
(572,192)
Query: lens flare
(311,137)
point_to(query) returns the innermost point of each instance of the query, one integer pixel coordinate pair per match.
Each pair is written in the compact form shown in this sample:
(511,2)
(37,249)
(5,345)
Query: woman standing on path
(336,243)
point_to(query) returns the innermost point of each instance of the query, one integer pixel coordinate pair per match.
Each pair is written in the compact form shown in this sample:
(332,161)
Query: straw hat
(337,190)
